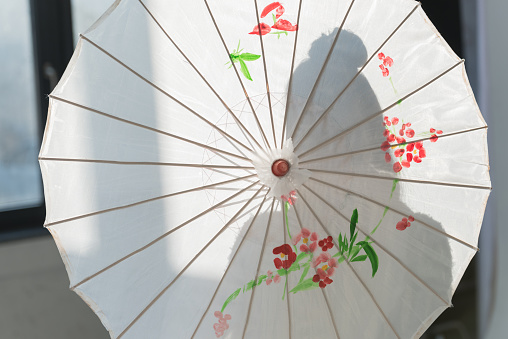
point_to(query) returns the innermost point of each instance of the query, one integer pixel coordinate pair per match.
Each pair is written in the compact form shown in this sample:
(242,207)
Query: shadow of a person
(413,279)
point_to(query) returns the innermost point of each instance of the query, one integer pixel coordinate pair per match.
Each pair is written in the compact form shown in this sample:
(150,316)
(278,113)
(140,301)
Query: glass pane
(20,183)
(85,13)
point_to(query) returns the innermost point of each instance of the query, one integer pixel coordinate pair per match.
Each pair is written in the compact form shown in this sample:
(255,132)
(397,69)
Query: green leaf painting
(241,58)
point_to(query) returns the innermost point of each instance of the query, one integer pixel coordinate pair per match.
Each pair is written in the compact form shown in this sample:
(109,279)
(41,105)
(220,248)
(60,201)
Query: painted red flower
(399,152)
(397,167)
(326,243)
(404,223)
(400,140)
(286,253)
(265,29)
(385,70)
(422,153)
(388,62)
(285,25)
(387,121)
(385,146)
(414,150)
(271,7)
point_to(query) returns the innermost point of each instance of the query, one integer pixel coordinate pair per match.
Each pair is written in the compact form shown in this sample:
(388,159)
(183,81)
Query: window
(36,44)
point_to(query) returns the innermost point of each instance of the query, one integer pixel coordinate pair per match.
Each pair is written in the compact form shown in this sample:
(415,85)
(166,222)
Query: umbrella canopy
(260,169)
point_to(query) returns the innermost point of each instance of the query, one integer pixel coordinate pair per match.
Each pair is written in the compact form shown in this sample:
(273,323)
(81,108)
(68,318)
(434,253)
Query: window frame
(52,44)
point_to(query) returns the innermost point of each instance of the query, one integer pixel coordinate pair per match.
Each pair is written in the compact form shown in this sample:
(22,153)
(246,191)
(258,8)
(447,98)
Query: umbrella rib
(150,128)
(401,179)
(238,122)
(290,84)
(380,246)
(185,223)
(199,188)
(257,270)
(189,264)
(322,290)
(382,111)
(372,297)
(392,145)
(229,266)
(398,212)
(237,74)
(226,173)
(287,279)
(165,93)
(234,203)
(321,72)
(266,74)
(328,109)
(171,164)
(351,266)
(227,159)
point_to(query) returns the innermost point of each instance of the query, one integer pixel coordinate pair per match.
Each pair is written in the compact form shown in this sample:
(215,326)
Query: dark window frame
(53,46)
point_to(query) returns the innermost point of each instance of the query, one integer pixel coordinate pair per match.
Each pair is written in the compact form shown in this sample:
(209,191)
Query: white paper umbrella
(248,168)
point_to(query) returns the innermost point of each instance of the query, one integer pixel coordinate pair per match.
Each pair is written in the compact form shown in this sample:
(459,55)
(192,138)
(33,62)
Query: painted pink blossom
(270,277)
(222,324)
(323,257)
(290,198)
(324,273)
(306,235)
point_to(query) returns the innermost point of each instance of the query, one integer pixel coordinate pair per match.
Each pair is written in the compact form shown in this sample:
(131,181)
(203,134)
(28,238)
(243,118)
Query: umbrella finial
(280,167)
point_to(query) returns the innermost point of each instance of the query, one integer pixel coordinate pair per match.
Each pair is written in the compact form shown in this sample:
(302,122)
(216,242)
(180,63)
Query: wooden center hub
(280,167)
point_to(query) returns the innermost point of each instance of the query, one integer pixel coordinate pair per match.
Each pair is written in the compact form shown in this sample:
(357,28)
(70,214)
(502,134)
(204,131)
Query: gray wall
(35,301)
